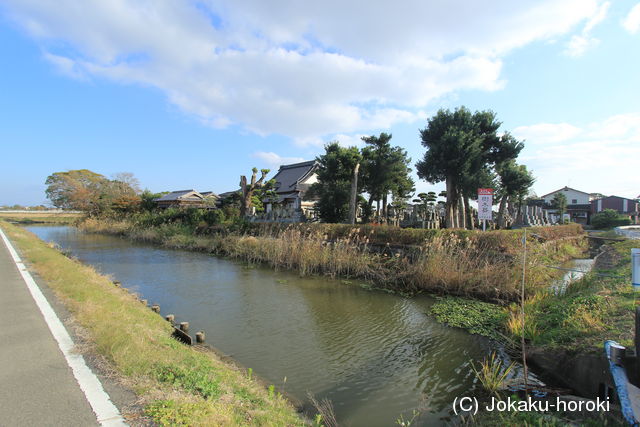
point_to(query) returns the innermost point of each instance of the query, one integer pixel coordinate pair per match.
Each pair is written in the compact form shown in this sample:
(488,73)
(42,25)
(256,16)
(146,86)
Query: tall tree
(462,148)
(515,181)
(248,189)
(335,175)
(385,171)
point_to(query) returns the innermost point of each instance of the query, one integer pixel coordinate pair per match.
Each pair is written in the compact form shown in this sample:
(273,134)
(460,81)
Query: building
(186,198)
(291,184)
(627,207)
(578,204)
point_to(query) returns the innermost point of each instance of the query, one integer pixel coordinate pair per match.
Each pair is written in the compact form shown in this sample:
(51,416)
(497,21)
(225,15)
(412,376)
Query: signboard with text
(485,202)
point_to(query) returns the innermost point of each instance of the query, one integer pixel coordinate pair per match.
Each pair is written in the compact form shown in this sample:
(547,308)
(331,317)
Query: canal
(374,355)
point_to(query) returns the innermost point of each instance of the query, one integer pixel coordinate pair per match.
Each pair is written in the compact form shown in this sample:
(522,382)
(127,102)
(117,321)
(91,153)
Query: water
(630,232)
(575,270)
(374,355)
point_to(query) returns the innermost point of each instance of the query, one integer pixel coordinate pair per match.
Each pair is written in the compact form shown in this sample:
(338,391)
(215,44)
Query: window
(574,201)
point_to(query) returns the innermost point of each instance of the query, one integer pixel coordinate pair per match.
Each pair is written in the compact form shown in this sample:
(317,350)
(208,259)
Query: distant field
(44,217)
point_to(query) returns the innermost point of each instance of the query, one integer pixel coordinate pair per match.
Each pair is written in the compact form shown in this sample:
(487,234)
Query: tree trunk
(462,213)
(448,207)
(500,220)
(384,208)
(354,193)
(246,197)
(470,222)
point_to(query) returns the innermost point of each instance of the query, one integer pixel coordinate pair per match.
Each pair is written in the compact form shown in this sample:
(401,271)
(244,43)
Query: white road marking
(106,412)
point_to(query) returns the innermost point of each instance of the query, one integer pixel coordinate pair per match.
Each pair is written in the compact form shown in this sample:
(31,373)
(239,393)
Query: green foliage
(609,218)
(515,180)
(333,188)
(462,147)
(385,169)
(193,380)
(559,202)
(172,413)
(147,200)
(477,317)
(492,373)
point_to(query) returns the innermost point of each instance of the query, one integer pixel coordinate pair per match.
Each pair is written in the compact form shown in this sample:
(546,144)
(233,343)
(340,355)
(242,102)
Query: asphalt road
(37,387)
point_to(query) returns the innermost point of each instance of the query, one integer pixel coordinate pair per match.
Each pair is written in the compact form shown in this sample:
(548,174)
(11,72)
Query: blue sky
(191,94)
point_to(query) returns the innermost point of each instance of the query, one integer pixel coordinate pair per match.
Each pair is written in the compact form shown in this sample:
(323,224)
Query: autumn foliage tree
(91,192)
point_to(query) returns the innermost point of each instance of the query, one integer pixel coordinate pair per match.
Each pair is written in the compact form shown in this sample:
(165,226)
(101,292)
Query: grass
(458,262)
(41,217)
(178,385)
(492,373)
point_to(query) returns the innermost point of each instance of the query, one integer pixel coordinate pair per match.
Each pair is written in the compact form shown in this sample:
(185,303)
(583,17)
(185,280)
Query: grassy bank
(41,217)
(457,262)
(178,385)
(594,309)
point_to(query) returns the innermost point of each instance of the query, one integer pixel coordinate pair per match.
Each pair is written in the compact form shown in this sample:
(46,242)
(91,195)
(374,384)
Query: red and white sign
(485,202)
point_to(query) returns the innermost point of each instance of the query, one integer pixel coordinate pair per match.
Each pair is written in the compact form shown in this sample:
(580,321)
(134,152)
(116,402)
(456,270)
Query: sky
(192,94)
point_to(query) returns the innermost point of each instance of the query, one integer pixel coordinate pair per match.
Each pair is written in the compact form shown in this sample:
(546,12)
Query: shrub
(609,218)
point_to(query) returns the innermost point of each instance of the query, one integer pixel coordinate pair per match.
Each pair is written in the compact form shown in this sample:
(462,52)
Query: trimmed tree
(248,188)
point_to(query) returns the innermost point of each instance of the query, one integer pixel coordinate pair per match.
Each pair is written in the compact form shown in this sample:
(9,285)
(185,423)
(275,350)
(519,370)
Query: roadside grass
(178,385)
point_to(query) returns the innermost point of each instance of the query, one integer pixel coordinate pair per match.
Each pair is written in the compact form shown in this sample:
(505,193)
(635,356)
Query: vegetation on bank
(458,262)
(596,308)
(41,217)
(178,385)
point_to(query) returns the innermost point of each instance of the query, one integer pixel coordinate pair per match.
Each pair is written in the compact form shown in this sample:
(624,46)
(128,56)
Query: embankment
(178,385)
(453,262)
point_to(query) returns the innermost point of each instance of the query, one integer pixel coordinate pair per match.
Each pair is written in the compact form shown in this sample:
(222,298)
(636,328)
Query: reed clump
(456,262)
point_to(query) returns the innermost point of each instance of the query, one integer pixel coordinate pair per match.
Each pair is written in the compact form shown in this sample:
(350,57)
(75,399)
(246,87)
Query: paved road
(37,387)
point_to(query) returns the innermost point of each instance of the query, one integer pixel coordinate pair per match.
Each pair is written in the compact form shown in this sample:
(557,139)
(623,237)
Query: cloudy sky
(191,94)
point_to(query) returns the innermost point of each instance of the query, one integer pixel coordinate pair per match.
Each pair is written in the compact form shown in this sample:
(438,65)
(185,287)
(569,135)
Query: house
(578,204)
(291,184)
(184,198)
(626,207)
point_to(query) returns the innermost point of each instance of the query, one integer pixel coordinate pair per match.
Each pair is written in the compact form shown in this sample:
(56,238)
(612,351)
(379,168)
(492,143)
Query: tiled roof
(180,195)
(289,175)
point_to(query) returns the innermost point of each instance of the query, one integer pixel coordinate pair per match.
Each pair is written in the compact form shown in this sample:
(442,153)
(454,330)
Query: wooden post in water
(184,327)
(155,308)
(170,318)
(200,337)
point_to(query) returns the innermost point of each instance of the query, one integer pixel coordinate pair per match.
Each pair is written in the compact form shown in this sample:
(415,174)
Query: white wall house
(578,205)
(574,197)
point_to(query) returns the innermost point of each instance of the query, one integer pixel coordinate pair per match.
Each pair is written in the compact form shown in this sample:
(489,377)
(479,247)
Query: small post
(184,327)
(635,282)
(170,318)
(155,308)
(200,337)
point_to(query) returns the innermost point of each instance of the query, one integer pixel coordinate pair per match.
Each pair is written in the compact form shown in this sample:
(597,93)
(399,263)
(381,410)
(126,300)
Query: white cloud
(301,69)
(579,44)
(631,22)
(544,133)
(601,158)
(275,160)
